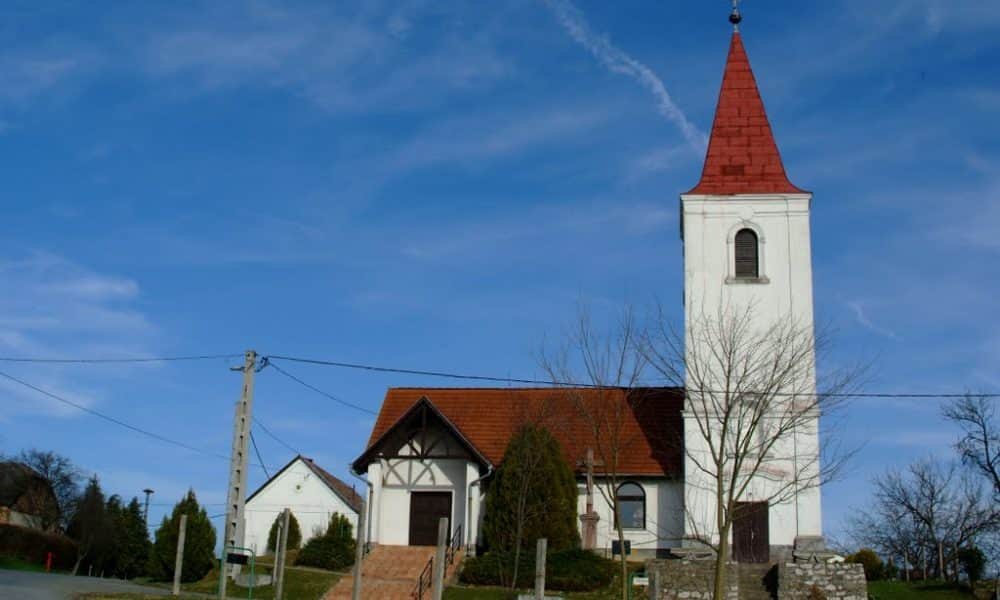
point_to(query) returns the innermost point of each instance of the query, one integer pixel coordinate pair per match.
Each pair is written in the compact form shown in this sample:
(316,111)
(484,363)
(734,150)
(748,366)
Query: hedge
(33,546)
(566,570)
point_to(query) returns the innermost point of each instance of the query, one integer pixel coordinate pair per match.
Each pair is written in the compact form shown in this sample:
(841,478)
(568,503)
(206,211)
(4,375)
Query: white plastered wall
(309,498)
(783,291)
(393,480)
(664,516)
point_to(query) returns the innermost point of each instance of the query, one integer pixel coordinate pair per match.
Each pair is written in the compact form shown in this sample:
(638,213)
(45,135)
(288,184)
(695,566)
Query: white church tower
(745,230)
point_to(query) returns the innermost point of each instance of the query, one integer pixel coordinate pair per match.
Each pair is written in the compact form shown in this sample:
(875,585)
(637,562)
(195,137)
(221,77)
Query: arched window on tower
(747,259)
(631,506)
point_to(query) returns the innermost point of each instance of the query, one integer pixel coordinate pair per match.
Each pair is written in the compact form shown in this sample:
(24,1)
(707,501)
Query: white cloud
(862,317)
(618,61)
(52,307)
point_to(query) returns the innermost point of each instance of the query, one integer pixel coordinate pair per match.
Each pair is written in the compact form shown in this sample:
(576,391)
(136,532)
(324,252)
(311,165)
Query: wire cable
(256,450)
(114,420)
(550,383)
(444,374)
(110,419)
(275,438)
(91,361)
(319,391)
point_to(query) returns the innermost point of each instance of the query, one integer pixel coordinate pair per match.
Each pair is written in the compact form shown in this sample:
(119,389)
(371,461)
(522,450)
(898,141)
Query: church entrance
(426,509)
(751,538)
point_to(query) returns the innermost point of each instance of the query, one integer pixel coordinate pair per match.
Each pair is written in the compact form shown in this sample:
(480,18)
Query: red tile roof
(650,423)
(742,155)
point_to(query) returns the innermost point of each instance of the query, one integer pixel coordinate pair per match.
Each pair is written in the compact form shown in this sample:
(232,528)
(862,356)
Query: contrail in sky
(618,61)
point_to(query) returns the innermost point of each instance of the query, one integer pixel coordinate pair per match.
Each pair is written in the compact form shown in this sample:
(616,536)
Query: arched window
(747,260)
(631,506)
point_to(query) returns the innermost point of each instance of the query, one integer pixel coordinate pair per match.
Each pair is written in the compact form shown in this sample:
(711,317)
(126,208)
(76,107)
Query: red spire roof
(742,155)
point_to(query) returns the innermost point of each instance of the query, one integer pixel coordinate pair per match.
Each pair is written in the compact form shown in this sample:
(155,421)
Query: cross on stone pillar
(589,519)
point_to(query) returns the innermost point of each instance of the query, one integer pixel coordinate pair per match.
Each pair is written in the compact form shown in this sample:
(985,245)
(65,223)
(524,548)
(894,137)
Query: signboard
(233,558)
(617,549)
(643,581)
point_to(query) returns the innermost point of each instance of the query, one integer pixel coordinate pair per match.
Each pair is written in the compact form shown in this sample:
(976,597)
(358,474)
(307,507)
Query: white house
(309,491)
(746,240)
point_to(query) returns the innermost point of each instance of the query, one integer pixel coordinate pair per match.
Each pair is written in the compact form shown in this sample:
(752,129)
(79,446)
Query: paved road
(21,585)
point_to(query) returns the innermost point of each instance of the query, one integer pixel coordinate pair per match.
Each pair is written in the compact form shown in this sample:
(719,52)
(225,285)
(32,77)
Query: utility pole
(179,561)
(145,512)
(437,588)
(236,497)
(540,549)
(279,563)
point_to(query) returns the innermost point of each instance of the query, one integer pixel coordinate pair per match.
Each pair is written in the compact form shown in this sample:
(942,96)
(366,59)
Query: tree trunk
(621,546)
(941,574)
(721,558)
(906,565)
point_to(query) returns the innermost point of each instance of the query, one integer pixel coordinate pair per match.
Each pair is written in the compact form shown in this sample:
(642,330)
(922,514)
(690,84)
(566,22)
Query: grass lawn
(308,584)
(16,564)
(931,590)
(492,593)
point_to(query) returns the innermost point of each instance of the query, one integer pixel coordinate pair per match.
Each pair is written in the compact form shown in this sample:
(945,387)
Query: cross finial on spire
(736,17)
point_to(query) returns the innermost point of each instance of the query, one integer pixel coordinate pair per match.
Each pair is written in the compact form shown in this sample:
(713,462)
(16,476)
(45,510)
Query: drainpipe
(468,516)
(368,505)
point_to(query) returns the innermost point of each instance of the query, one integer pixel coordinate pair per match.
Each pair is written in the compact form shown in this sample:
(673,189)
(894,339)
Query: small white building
(311,493)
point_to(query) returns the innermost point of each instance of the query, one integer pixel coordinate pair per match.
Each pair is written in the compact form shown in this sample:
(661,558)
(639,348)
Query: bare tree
(948,510)
(891,531)
(62,475)
(979,445)
(751,414)
(610,367)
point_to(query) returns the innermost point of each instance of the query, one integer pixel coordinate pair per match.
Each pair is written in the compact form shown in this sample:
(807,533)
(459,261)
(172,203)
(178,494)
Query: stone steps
(389,573)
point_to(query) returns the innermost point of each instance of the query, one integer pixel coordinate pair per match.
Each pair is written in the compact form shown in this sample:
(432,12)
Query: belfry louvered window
(747,260)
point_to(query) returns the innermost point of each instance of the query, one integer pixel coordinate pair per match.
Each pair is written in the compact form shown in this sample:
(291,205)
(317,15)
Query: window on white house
(631,506)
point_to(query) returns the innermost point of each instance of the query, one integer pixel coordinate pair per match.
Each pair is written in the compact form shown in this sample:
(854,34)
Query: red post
(48,562)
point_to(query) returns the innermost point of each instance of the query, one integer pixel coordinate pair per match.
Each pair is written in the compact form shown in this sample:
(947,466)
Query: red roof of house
(649,420)
(743,157)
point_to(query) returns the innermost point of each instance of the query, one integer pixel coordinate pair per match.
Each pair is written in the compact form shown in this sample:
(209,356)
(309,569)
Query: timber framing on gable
(422,433)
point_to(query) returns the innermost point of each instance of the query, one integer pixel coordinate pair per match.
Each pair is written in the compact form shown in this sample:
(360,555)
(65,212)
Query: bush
(334,550)
(31,545)
(874,569)
(294,533)
(566,570)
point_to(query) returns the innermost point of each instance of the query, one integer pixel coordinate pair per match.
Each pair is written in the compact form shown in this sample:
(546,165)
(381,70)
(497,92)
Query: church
(746,242)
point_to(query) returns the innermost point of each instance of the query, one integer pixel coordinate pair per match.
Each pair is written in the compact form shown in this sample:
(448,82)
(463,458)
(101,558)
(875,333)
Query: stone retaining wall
(692,580)
(688,579)
(822,581)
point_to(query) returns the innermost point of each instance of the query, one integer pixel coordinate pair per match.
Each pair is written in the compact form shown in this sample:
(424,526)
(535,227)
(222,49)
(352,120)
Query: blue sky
(436,185)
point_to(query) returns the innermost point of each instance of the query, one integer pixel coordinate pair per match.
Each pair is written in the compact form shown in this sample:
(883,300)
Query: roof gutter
(471,543)
(367,506)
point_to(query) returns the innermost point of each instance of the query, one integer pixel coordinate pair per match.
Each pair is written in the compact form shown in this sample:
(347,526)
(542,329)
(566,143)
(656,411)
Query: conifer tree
(294,533)
(199,545)
(532,496)
(88,526)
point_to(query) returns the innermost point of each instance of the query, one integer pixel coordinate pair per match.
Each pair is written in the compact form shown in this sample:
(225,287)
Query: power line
(550,383)
(90,361)
(111,419)
(274,437)
(256,450)
(443,374)
(114,420)
(316,389)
